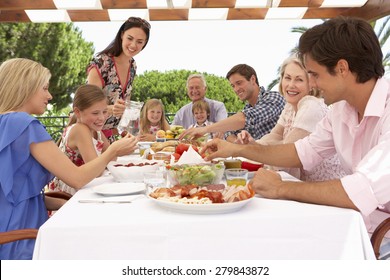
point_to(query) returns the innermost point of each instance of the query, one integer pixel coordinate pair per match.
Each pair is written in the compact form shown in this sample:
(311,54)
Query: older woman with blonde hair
(31,156)
(303,110)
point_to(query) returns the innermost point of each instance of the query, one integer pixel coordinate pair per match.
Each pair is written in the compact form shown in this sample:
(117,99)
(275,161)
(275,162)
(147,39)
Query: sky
(213,47)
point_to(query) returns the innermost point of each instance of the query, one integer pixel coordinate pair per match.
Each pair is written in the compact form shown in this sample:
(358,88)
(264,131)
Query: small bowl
(122,172)
(251,166)
(198,174)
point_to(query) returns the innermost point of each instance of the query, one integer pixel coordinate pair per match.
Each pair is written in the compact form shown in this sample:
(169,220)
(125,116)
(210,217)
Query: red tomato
(181,148)
(176,156)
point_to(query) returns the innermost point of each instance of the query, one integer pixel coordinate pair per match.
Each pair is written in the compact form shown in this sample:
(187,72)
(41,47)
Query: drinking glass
(236,177)
(154,180)
(130,120)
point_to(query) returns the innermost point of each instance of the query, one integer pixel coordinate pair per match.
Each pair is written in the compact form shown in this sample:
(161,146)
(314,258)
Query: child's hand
(126,145)
(147,137)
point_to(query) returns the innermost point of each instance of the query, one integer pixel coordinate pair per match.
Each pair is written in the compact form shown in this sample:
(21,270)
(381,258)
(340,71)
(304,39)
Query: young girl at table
(30,157)
(152,120)
(82,140)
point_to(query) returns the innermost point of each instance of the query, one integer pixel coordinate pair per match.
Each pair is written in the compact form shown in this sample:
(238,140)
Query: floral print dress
(75,156)
(113,87)
(310,111)
(154,128)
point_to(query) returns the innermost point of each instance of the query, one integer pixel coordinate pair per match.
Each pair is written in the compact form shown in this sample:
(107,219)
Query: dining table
(92,226)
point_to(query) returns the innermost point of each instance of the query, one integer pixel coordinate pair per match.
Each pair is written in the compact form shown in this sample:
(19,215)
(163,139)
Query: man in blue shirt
(196,90)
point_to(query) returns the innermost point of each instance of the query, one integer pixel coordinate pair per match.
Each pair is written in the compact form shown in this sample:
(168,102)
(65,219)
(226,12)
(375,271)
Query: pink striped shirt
(363,149)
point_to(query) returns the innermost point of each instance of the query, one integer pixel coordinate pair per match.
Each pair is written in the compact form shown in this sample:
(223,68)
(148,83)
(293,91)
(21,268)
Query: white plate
(119,189)
(216,208)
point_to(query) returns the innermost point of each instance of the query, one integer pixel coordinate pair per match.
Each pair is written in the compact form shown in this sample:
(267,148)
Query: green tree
(58,46)
(170,87)
(383,33)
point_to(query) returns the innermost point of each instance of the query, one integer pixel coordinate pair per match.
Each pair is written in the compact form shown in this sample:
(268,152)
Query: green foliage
(55,121)
(383,34)
(58,46)
(170,87)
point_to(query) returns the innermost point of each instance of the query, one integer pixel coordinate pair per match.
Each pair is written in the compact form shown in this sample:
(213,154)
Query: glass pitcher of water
(130,120)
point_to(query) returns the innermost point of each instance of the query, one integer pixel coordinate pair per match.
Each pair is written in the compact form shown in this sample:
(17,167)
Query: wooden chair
(18,234)
(58,194)
(29,233)
(378,235)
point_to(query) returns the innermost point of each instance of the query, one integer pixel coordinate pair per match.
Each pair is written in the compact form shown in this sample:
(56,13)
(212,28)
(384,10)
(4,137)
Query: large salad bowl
(198,174)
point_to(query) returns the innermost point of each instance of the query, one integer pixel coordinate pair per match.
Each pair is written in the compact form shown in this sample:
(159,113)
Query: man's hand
(267,183)
(244,138)
(193,133)
(218,148)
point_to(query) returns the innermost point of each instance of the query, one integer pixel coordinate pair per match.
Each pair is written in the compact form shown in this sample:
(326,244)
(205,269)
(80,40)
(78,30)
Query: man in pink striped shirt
(344,61)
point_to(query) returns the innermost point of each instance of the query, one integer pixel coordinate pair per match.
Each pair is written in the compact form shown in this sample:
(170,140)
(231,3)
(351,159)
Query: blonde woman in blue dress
(32,157)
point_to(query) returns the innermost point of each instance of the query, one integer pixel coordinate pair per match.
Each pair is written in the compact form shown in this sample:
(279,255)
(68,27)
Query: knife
(103,201)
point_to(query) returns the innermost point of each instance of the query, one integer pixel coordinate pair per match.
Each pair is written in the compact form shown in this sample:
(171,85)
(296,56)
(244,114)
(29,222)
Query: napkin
(190,157)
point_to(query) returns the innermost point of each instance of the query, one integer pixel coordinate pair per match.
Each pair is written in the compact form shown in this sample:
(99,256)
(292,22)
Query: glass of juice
(142,149)
(236,176)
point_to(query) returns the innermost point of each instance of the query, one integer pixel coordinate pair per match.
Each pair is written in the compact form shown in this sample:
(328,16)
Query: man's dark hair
(352,39)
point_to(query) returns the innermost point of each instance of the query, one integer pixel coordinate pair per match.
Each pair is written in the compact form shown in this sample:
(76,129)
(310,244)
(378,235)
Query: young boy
(201,112)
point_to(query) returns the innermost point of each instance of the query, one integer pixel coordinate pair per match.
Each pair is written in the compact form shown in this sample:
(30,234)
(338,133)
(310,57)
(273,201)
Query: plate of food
(212,199)
(214,208)
(117,189)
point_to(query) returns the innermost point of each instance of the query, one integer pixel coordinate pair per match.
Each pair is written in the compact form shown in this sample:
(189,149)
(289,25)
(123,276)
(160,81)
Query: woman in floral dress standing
(114,68)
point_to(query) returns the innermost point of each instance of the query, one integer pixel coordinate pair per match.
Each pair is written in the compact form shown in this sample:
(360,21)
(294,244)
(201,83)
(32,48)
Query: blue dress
(22,180)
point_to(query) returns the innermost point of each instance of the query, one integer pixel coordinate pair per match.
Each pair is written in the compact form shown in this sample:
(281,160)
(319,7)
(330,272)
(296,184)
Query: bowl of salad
(199,174)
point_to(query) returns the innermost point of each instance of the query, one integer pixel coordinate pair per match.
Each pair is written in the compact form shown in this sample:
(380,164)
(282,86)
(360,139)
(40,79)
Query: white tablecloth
(263,229)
